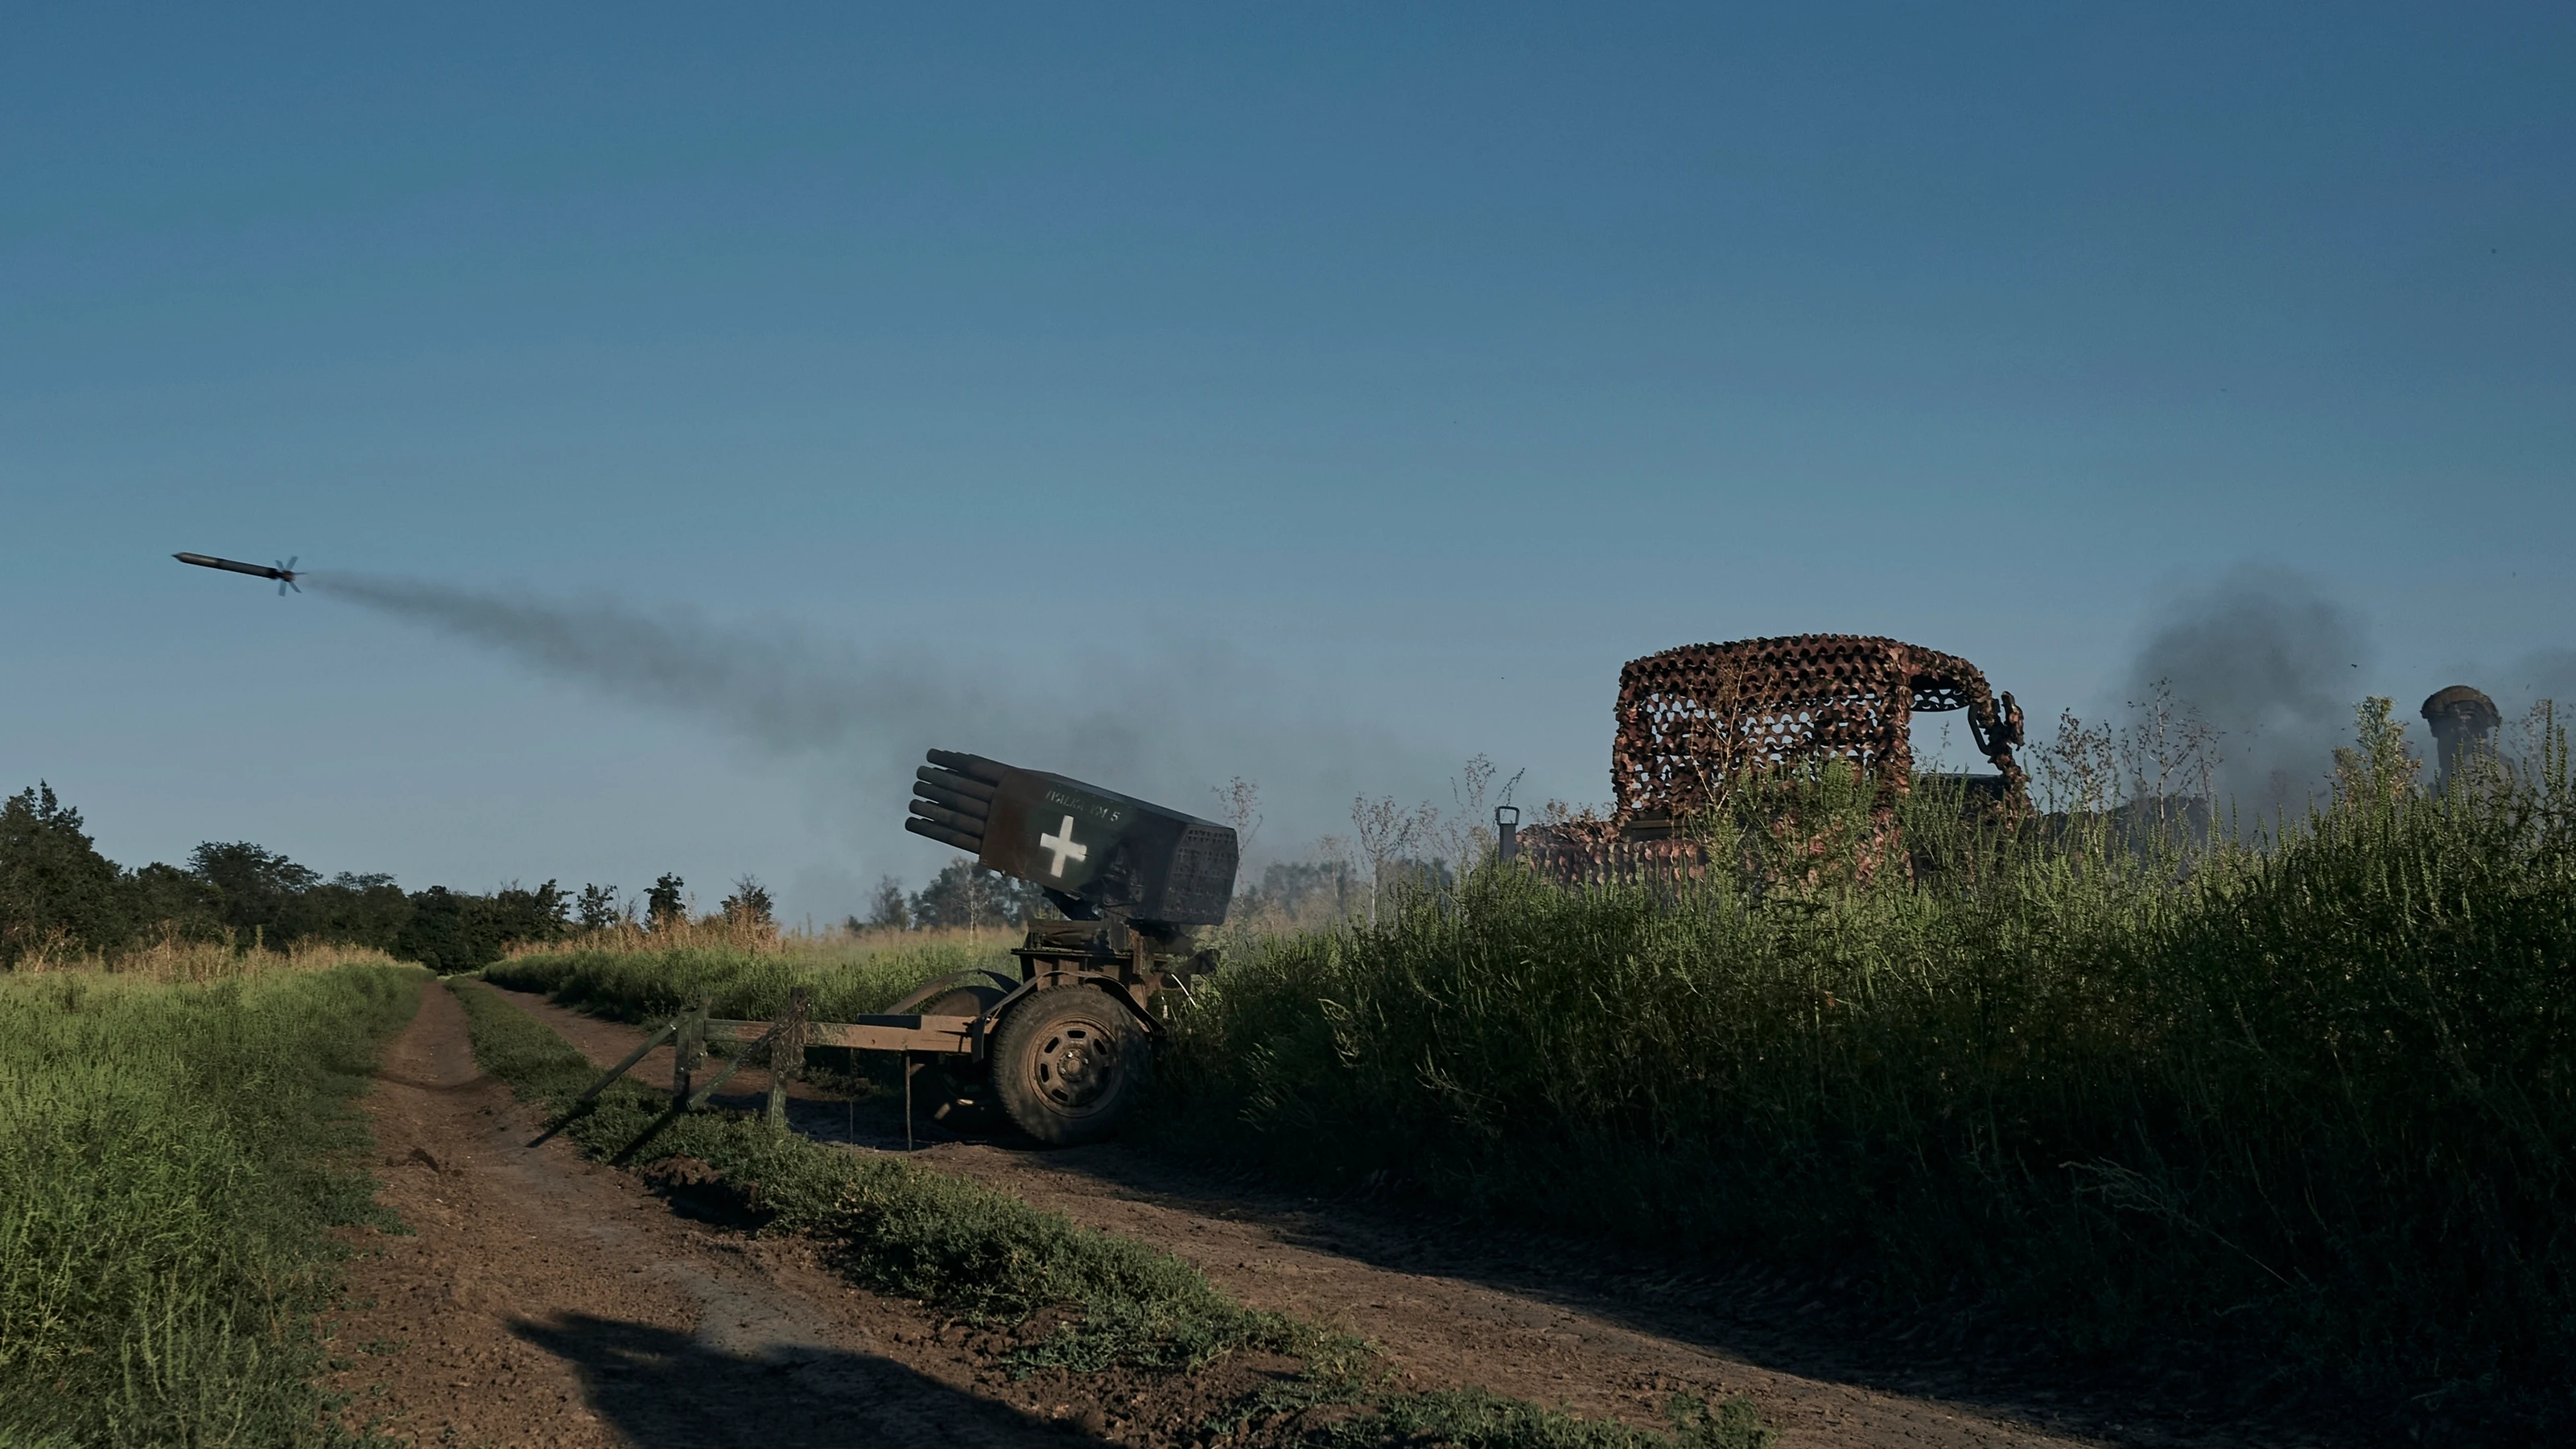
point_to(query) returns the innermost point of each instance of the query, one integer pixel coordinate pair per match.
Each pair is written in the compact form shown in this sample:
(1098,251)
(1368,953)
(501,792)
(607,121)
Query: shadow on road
(1785,1320)
(667,1390)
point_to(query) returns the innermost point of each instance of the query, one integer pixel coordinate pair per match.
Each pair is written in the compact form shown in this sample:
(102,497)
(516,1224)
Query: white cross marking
(1063,848)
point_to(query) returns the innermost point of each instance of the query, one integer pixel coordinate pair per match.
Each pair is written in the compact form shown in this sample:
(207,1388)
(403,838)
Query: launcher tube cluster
(1099,852)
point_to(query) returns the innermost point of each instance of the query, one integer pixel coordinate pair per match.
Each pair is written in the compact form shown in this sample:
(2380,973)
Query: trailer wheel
(1067,1064)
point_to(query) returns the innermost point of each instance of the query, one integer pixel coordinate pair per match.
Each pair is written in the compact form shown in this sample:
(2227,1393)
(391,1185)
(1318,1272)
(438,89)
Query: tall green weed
(171,1159)
(2316,1099)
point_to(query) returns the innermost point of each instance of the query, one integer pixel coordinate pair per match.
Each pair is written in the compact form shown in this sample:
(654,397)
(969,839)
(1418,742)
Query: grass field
(174,1156)
(175,958)
(2312,1105)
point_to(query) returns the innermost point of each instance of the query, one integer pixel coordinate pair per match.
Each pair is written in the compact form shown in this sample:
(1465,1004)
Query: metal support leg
(786,1056)
(689,1050)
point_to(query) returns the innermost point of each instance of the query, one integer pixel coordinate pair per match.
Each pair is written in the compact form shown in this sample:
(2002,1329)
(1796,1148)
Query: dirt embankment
(547,1300)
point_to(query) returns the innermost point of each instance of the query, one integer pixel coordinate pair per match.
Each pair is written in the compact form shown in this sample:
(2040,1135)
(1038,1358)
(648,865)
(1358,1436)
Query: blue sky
(1320,394)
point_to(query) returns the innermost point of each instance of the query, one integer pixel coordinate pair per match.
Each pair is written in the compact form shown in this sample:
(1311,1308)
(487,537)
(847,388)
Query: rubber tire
(1069,1027)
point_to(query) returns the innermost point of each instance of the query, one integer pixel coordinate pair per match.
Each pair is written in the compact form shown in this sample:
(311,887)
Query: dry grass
(176,959)
(637,974)
(734,935)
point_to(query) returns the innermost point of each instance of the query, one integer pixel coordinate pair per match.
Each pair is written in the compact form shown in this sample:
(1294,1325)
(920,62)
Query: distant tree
(1303,891)
(351,909)
(665,903)
(1413,872)
(599,908)
(452,931)
(749,905)
(887,911)
(258,893)
(955,897)
(165,899)
(445,933)
(965,894)
(54,885)
(517,914)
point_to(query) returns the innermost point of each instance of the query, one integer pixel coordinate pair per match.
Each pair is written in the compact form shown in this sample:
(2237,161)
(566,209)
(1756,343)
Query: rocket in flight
(284,573)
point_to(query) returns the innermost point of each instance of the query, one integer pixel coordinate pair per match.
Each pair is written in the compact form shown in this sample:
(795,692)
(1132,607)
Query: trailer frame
(1127,963)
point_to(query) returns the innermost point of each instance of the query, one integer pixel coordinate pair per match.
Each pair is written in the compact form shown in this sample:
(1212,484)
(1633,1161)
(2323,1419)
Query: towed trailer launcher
(1064,1050)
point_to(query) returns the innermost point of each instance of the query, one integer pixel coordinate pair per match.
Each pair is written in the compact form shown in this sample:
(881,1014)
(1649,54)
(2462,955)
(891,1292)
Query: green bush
(1474,1419)
(2316,1099)
(173,1157)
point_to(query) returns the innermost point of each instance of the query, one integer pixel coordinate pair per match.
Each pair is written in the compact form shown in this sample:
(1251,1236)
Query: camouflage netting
(1695,719)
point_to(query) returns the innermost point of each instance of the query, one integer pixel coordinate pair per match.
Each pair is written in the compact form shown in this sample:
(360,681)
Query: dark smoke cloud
(1167,730)
(2275,665)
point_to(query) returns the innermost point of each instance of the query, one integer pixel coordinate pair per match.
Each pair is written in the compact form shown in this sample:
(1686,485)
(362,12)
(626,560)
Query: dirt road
(547,1300)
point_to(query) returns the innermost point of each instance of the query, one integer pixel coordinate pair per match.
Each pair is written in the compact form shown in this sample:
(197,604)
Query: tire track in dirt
(1442,1323)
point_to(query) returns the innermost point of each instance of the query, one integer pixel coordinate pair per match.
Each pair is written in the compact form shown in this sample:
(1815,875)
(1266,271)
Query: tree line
(1303,892)
(59,894)
(963,894)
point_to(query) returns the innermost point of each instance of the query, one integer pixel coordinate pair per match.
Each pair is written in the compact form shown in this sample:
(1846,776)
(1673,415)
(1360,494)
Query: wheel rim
(1075,1066)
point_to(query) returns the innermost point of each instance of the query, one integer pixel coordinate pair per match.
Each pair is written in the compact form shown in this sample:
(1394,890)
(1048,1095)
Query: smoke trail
(2275,665)
(1166,731)
(771,687)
